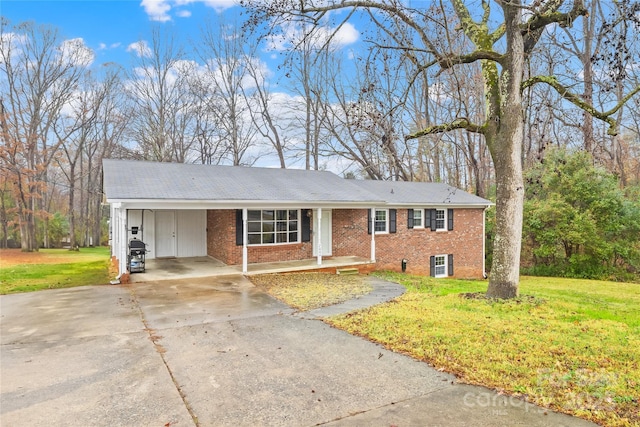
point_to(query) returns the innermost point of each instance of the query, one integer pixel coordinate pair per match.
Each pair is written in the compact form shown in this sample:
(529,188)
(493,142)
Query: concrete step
(346,271)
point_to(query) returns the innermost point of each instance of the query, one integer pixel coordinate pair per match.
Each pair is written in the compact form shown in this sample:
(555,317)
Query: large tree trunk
(506,151)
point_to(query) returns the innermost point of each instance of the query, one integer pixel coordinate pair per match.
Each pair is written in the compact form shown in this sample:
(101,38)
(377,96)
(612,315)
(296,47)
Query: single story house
(242,215)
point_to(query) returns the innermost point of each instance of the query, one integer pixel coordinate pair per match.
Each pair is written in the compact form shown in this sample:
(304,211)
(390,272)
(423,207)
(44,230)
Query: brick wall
(417,245)
(349,233)
(221,243)
(350,238)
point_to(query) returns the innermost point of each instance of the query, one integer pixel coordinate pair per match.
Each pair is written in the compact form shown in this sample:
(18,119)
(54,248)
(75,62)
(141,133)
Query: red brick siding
(221,243)
(417,245)
(221,236)
(350,238)
(349,233)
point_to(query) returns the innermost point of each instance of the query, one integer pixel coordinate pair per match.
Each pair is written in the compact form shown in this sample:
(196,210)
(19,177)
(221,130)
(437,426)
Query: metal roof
(153,181)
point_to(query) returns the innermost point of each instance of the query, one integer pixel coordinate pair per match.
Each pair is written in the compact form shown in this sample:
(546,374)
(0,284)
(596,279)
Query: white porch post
(245,234)
(121,243)
(318,234)
(373,234)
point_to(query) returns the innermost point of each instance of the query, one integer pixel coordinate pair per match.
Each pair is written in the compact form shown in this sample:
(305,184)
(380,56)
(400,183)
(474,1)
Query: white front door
(325,230)
(165,234)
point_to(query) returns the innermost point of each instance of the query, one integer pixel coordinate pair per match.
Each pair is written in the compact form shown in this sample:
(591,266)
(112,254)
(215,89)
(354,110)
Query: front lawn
(567,344)
(306,291)
(52,269)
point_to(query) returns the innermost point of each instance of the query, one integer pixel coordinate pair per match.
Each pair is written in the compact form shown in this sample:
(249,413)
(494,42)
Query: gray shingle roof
(419,193)
(138,180)
(127,179)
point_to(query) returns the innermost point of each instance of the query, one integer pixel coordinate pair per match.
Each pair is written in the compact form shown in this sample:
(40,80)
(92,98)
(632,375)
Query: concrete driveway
(217,352)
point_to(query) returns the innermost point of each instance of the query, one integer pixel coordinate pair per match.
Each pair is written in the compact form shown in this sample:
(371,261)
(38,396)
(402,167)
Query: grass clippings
(569,345)
(307,291)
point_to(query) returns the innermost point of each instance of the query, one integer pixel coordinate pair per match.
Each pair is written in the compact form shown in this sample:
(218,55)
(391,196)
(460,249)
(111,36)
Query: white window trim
(386,221)
(445,220)
(446,266)
(422,217)
(299,231)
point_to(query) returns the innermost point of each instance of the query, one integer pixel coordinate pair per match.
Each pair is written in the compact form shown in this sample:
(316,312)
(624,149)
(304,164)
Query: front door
(325,231)
(165,234)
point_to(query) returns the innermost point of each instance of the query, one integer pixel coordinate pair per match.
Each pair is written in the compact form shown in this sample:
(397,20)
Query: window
(269,227)
(441,219)
(417,218)
(380,221)
(440,266)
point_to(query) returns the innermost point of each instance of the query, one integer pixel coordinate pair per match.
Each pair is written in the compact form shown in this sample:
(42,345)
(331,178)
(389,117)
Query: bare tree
(270,125)
(112,118)
(226,82)
(502,50)
(39,75)
(159,89)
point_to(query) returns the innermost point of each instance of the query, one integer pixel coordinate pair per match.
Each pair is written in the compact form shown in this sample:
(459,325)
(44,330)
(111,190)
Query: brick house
(243,215)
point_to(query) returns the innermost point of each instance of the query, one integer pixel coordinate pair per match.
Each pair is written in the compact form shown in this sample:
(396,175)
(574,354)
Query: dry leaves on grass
(306,291)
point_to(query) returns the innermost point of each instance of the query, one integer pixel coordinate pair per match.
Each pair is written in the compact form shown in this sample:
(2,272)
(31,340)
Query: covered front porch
(186,268)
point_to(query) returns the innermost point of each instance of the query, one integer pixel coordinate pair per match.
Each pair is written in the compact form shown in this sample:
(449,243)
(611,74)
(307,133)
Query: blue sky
(109,27)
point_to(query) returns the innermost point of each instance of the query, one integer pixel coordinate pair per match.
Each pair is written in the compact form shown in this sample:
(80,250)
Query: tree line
(426,102)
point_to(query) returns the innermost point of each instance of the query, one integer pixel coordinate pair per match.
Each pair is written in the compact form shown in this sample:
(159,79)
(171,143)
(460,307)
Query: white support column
(122,244)
(318,234)
(373,234)
(245,237)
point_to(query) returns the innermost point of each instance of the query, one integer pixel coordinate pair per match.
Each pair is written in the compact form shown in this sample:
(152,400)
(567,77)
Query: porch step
(347,271)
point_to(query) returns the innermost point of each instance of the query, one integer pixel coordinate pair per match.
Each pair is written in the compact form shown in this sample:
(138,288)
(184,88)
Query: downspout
(245,234)
(484,242)
(373,234)
(318,234)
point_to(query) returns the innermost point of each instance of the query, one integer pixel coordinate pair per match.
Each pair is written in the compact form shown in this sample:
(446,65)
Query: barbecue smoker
(136,257)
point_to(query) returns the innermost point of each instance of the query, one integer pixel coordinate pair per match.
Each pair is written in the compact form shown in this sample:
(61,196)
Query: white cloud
(76,52)
(159,10)
(220,5)
(292,34)
(140,48)
(102,46)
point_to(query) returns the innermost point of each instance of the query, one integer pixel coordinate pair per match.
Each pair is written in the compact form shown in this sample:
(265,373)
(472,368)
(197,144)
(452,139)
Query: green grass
(567,344)
(89,266)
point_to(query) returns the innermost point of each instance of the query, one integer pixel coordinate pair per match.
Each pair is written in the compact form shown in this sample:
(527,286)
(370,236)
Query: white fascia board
(157,204)
(439,205)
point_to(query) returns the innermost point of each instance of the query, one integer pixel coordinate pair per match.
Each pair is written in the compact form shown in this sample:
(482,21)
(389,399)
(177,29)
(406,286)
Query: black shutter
(306,225)
(450,264)
(239,229)
(392,220)
(450,219)
(432,219)
(369,221)
(432,266)
(409,218)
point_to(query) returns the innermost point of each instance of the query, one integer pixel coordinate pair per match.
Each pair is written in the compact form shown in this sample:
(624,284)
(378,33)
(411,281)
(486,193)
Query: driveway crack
(155,339)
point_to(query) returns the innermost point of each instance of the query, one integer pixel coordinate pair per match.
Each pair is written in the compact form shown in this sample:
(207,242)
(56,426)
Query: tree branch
(460,123)
(549,14)
(564,92)
(449,61)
